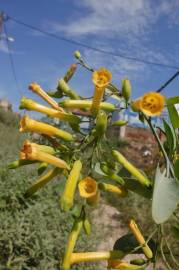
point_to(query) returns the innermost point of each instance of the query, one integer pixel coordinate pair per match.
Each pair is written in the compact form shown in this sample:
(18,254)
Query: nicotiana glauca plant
(91,173)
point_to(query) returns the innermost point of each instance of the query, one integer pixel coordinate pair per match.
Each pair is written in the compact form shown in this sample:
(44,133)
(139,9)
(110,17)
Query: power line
(11,60)
(167,82)
(52,35)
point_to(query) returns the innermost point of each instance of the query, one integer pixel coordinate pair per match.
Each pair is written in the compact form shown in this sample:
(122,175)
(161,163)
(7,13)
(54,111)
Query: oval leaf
(171,136)
(165,197)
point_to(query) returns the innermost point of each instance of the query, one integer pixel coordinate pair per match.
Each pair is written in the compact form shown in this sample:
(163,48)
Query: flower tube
(77,226)
(114,189)
(101,79)
(85,104)
(30,125)
(41,181)
(70,72)
(88,188)
(151,104)
(131,168)
(66,200)
(121,265)
(64,87)
(30,105)
(34,87)
(32,152)
(44,148)
(96,256)
(138,235)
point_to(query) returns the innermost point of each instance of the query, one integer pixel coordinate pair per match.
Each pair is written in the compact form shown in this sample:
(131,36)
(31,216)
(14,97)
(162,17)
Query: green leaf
(98,170)
(134,186)
(137,188)
(165,197)
(174,116)
(176,169)
(127,243)
(170,135)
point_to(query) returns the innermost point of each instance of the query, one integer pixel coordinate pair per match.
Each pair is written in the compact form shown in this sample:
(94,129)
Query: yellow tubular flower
(64,87)
(39,91)
(78,223)
(138,235)
(85,104)
(31,152)
(31,105)
(88,188)
(117,264)
(30,125)
(44,148)
(131,168)
(111,188)
(44,179)
(66,200)
(151,104)
(96,256)
(70,72)
(101,79)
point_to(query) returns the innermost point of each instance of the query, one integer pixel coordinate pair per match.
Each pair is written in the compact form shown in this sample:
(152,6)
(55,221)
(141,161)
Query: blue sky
(147,29)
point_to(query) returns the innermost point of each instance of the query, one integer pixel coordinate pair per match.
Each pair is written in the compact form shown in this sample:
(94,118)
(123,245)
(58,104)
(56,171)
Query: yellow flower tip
(135,105)
(101,77)
(34,87)
(87,187)
(117,264)
(23,123)
(32,151)
(151,104)
(25,153)
(138,235)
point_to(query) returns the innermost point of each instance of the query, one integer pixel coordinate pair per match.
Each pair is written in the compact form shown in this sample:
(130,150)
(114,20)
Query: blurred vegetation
(33,232)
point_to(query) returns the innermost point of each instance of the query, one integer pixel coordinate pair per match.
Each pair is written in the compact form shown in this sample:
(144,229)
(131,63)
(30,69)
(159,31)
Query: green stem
(160,145)
(161,249)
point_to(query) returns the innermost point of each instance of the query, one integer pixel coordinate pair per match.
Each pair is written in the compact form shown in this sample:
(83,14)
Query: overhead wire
(77,43)
(11,60)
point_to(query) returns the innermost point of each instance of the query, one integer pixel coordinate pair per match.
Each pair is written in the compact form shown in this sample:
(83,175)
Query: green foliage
(41,225)
(8,118)
(33,232)
(174,116)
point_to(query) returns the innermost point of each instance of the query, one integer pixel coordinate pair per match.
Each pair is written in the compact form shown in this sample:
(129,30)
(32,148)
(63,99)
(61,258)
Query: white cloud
(109,18)
(114,17)
(131,23)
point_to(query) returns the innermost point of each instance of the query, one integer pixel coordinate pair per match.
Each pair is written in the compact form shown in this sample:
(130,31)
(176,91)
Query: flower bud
(101,124)
(126,89)
(85,104)
(77,55)
(70,72)
(86,226)
(131,168)
(119,123)
(44,179)
(66,200)
(114,189)
(65,88)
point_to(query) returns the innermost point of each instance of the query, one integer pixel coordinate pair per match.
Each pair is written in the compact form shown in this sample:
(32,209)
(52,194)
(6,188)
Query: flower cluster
(75,155)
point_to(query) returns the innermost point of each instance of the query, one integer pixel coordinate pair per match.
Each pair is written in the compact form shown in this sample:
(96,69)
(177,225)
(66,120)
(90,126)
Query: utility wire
(11,60)
(167,82)
(32,27)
